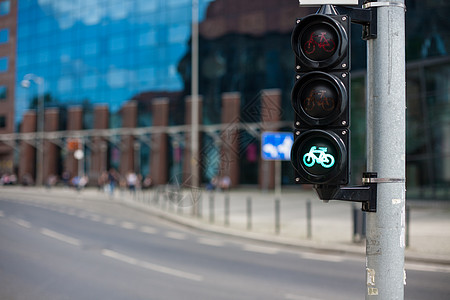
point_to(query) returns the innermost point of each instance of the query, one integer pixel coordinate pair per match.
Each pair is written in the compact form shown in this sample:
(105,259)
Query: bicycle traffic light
(320,99)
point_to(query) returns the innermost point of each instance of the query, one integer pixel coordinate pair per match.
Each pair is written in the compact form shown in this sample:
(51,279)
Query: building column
(129,120)
(270,112)
(159,148)
(188,160)
(74,122)
(229,152)
(51,150)
(99,148)
(27,159)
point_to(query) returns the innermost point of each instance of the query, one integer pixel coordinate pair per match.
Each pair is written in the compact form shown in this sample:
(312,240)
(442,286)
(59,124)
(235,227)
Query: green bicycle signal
(318,156)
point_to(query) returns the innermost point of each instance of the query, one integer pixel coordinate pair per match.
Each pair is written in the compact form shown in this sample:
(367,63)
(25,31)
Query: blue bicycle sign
(319,156)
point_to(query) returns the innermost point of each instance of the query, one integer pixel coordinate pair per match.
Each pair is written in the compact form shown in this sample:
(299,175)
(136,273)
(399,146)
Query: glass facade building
(108,52)
(101,51)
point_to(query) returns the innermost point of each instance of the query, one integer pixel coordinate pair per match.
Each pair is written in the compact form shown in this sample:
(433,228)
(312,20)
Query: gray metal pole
(195,99)
(40,128)
(249,213)
(386,105)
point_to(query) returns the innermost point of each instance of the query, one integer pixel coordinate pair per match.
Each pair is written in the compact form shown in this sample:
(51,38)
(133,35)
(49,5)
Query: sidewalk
(331,223)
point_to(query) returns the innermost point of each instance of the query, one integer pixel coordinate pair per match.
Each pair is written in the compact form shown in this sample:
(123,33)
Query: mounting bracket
(366,194)
(367,17)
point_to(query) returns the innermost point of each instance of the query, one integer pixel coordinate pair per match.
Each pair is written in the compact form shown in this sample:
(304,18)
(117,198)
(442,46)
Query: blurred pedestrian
(113,178)
(132,181)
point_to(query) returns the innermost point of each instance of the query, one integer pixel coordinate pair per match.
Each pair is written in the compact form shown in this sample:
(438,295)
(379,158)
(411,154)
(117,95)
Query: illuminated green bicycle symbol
(318,156)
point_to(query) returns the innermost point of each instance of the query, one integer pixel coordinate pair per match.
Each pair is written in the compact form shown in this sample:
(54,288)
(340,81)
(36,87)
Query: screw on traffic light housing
(320,99)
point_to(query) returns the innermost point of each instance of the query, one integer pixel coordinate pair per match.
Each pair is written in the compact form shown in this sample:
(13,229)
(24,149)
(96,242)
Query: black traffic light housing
(320,154)
(320,98)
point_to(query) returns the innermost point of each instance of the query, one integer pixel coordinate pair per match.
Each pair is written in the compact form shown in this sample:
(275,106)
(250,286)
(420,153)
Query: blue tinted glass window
(43,56)
(25,3)
(2,92)
(90,48)
(119,60)
(22,60)
(119,10)
(65,84)
(5,7)
(178,3)
(147,38)
(117,78)
(178,33)
(117,43)
(146,6)
(89,82)
(44,26)
(90,14)
(146,75)
(4,36)
(3,64)
(179,14)
(23,30)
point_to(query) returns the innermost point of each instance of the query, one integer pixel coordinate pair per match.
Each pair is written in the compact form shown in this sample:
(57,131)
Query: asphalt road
(78,249)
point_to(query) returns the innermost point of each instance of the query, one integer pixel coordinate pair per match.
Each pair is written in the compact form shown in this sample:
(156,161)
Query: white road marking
(176,235)
(427,267)
(95,218)
(61,237)
(148,229)
(2,214)
(210,242)
(21,222)
(298,297)
(322,257)
(71,212)
(110,221)
(127,225)
(261,249)
(83,215)
(150,266)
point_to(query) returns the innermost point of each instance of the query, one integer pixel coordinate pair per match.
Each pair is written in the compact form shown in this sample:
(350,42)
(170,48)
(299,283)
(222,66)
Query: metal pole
(194,96)
(227,210)
(211,208)
(277,216)
(249,213)
(278,179)
(386,104)
(308,219)
(40,127)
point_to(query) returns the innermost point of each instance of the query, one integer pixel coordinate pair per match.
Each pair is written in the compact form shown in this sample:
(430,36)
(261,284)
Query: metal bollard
(407,216)
(249,213)
(211,208)
(200,206)
(308,219)
(227,210)
(277,216)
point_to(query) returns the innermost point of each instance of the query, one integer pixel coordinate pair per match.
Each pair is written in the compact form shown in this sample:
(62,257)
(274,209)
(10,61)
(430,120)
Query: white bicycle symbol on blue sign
(318,156)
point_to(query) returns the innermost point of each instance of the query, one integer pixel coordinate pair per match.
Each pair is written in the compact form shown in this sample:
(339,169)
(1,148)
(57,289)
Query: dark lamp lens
(319,98)
(319,42)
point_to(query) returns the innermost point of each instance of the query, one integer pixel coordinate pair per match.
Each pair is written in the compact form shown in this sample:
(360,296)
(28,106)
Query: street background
(331,223)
